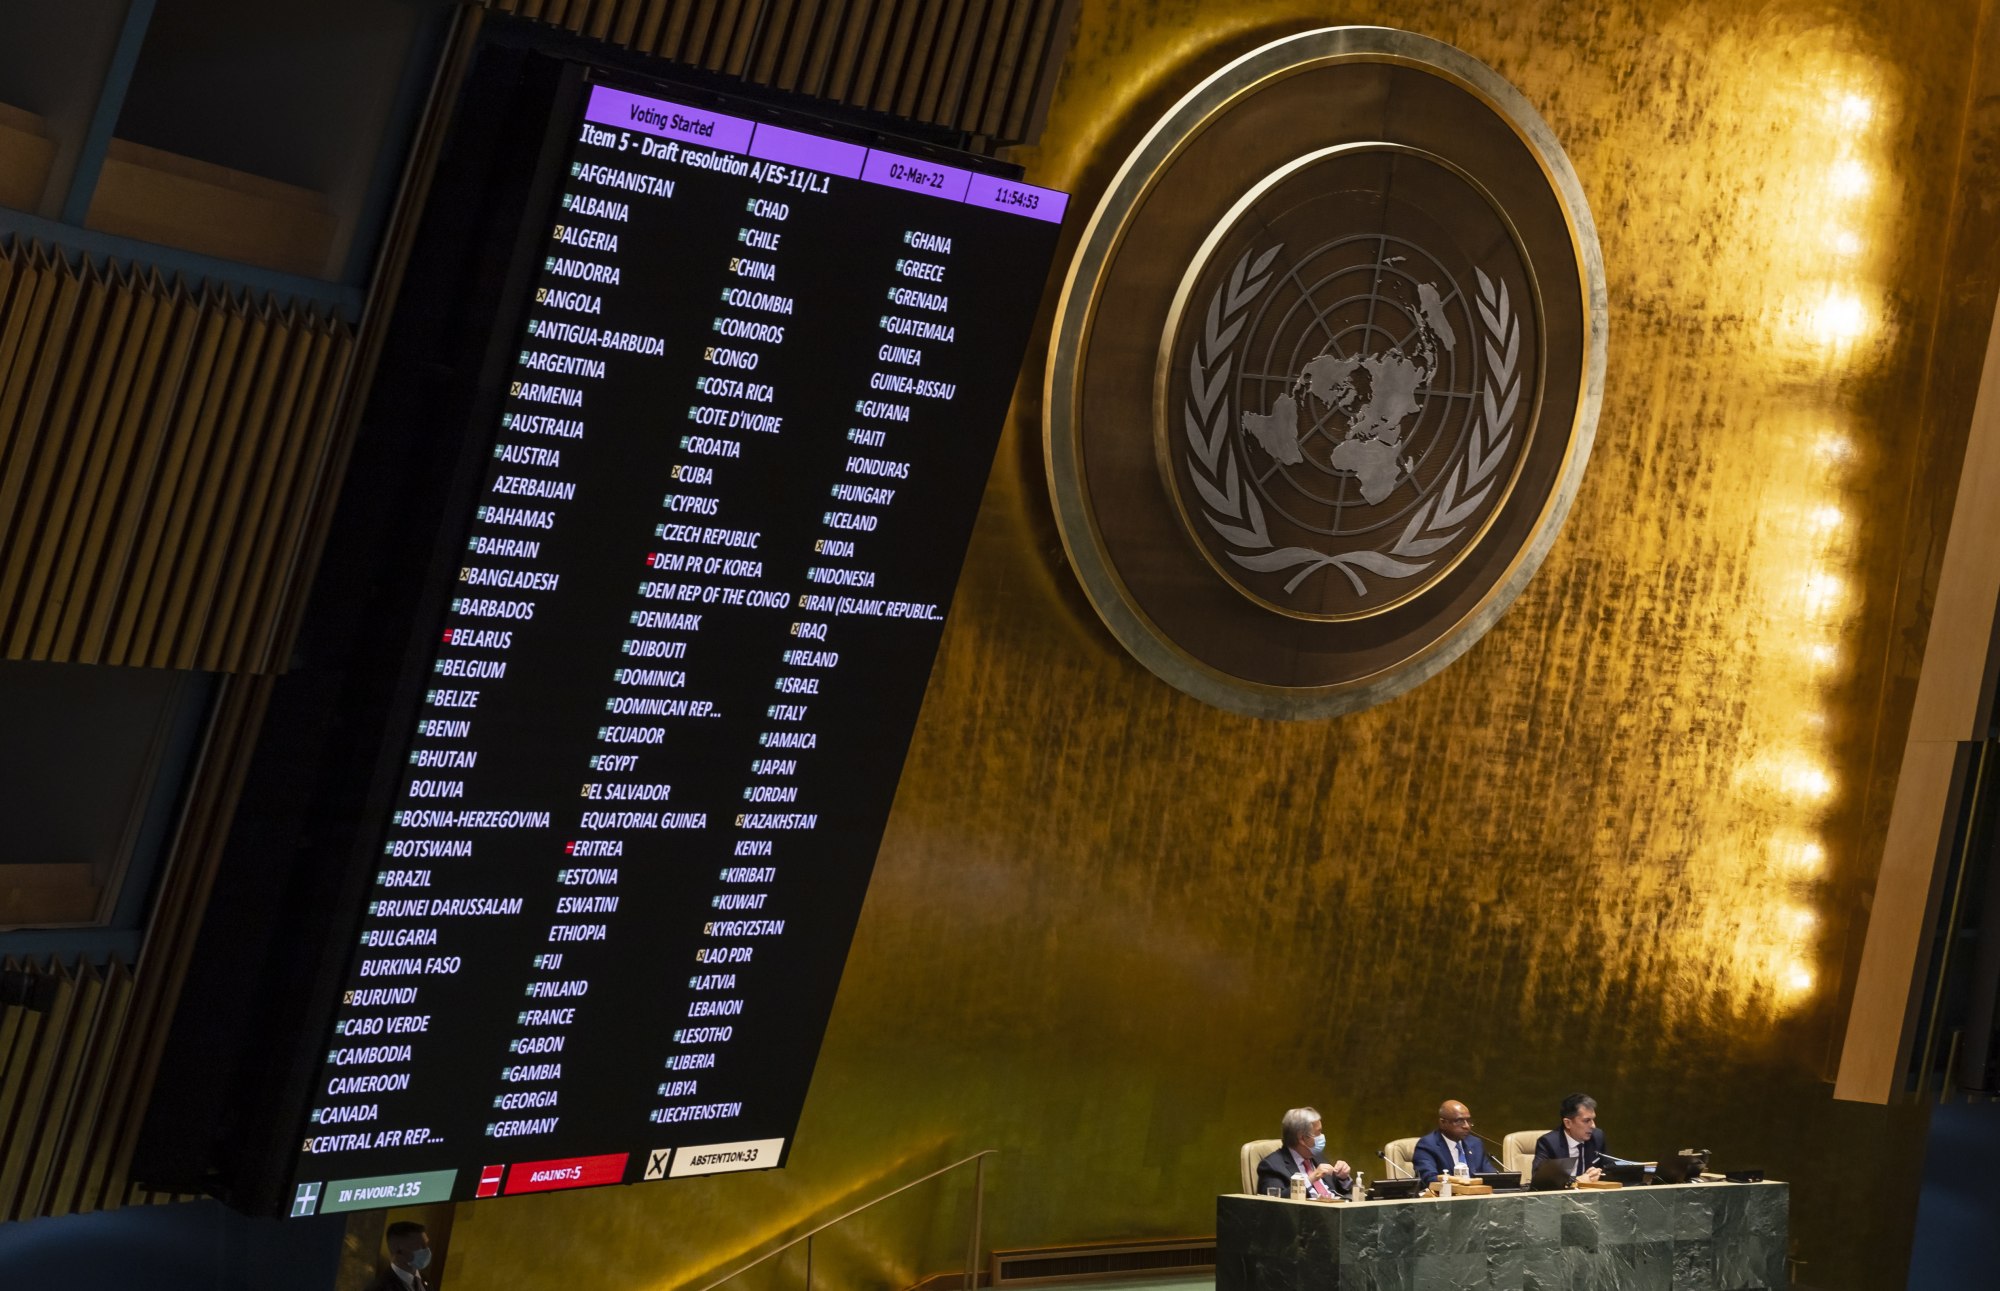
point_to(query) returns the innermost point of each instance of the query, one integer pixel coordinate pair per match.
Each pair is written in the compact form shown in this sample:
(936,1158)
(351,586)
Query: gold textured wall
(1621,846)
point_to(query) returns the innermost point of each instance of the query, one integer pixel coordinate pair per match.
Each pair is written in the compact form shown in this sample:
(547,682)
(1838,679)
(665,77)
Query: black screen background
(422,464)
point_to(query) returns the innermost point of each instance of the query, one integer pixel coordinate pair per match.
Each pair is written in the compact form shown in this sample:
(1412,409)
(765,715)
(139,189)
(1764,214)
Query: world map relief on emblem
(1370,397)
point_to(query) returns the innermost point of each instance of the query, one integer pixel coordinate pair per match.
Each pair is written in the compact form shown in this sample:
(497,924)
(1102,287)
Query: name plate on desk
(1693,1237)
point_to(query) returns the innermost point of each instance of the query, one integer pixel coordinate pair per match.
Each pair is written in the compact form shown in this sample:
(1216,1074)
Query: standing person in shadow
(409,1256)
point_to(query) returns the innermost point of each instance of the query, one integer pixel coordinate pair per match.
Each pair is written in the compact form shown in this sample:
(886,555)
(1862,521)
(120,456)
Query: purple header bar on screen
(809,151)
(670,120)
(625,111)
(1016,198)
(930,177)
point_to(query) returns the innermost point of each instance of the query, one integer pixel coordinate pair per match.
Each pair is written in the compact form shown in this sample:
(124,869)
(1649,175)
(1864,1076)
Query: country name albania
(602,208)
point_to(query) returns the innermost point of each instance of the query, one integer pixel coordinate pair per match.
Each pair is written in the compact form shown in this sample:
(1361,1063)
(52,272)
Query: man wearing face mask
(409,1256)
(1304,1145)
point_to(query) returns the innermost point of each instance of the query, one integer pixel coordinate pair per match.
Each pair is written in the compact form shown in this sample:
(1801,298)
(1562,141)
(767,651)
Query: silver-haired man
(1304,1145)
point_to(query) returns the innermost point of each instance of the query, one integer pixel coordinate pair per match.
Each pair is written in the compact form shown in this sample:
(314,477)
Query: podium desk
(1669,1237)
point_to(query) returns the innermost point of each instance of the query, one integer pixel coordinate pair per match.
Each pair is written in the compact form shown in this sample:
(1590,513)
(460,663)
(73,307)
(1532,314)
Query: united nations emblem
(1379,350)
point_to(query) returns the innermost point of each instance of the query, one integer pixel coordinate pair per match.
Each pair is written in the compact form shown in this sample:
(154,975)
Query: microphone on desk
(1392,1165)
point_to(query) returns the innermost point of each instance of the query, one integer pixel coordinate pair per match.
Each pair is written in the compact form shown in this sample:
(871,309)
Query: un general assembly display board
(1373,343)
(748,379)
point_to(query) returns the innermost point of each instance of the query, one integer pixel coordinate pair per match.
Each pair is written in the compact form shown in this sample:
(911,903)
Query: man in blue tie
(1451,1144)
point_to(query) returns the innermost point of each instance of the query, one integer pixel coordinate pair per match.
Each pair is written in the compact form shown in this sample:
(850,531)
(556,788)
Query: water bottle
(1298,1187)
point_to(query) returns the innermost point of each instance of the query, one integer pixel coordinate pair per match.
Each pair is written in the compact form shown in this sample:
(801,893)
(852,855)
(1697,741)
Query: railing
(978,1162)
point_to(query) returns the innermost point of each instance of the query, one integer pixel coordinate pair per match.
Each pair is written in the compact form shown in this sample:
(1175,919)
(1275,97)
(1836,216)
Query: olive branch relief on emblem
(1233,510)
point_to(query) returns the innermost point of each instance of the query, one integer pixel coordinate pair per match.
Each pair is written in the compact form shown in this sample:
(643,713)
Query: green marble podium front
(1697,1237)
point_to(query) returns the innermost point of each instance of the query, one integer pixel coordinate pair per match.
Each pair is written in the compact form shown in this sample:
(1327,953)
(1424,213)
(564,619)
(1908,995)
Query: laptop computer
(1498,1179)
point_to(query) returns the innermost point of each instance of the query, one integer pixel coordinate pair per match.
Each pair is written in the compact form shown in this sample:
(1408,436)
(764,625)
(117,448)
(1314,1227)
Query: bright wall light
(1848,178)
(1839,318)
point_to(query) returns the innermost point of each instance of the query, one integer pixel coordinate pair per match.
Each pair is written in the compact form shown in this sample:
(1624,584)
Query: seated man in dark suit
(1304,1142)
(1579,1140)
(1450,1144)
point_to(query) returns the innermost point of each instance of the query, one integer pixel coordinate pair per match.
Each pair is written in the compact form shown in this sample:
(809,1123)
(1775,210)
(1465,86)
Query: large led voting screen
(752,380)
